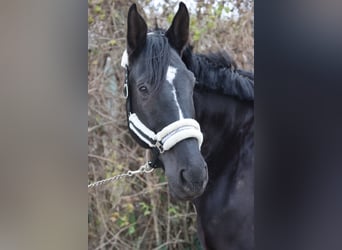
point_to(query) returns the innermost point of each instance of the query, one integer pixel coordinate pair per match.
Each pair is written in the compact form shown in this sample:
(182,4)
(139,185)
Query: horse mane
(218,72)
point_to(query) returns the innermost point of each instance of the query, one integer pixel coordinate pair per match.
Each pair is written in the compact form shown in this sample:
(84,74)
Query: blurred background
(138,212)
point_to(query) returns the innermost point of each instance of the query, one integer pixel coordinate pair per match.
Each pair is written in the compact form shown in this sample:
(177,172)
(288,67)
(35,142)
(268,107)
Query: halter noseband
(166,138)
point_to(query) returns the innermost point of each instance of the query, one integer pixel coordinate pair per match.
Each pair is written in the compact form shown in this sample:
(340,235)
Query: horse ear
(136,30)
(178,33)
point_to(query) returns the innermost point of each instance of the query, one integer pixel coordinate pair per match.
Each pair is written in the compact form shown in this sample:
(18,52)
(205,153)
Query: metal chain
(146,168)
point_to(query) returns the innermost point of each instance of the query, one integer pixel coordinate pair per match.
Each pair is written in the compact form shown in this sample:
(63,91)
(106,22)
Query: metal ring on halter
(126,83)
(148,168)
(126,90)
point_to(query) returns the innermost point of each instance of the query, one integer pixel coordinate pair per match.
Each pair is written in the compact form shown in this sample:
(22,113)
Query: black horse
(175,101)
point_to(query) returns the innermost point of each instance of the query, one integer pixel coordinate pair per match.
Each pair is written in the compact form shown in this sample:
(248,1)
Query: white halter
(169,135)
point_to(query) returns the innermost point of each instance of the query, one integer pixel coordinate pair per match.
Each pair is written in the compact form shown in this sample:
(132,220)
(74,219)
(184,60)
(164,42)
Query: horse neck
(226,123)
(225,112)
(223,100)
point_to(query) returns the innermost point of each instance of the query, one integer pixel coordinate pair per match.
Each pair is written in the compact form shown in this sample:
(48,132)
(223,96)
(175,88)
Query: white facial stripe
(170,76)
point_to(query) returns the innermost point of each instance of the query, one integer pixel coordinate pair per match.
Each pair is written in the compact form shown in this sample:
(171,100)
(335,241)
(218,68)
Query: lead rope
(146,168)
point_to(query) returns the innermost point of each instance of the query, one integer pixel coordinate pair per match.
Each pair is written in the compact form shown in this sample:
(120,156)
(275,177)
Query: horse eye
(143,89)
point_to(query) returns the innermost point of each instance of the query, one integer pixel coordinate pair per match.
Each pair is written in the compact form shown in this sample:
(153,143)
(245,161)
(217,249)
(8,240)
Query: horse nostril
(182,177)
(193,177)
(187,178)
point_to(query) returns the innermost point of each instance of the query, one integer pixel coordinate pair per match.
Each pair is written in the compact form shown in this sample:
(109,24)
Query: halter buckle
(159,146)
(126,82)
(126,91)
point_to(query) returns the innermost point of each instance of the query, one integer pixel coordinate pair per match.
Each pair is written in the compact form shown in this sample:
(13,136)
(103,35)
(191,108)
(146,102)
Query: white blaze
(170,76)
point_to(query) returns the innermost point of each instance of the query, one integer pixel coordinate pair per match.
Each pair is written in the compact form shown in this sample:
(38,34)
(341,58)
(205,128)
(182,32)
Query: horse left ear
(178,33)
(136,30)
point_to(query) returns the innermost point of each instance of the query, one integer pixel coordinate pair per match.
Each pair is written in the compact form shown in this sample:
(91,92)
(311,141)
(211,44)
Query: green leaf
(98,9)
(131,229)
(172,210)
(112,42)
(90,20)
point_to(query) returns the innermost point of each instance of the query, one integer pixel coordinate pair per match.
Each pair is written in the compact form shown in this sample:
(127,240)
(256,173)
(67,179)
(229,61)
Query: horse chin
(183,193)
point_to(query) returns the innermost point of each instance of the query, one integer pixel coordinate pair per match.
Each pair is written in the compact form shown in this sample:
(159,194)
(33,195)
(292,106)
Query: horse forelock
(155,57)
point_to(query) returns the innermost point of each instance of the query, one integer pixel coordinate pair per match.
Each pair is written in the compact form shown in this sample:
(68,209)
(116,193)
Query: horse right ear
(136,30)
(178,33)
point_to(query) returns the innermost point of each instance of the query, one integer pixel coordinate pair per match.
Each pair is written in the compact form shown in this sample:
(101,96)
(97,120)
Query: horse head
(160,107)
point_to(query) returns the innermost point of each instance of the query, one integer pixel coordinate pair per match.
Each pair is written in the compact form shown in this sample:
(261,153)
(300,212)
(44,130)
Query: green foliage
(146,209)
(112,42)
(173,210)
(90,20)
(98,9)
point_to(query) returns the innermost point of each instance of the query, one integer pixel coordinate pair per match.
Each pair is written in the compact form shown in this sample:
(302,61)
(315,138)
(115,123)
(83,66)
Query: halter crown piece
(166,138)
